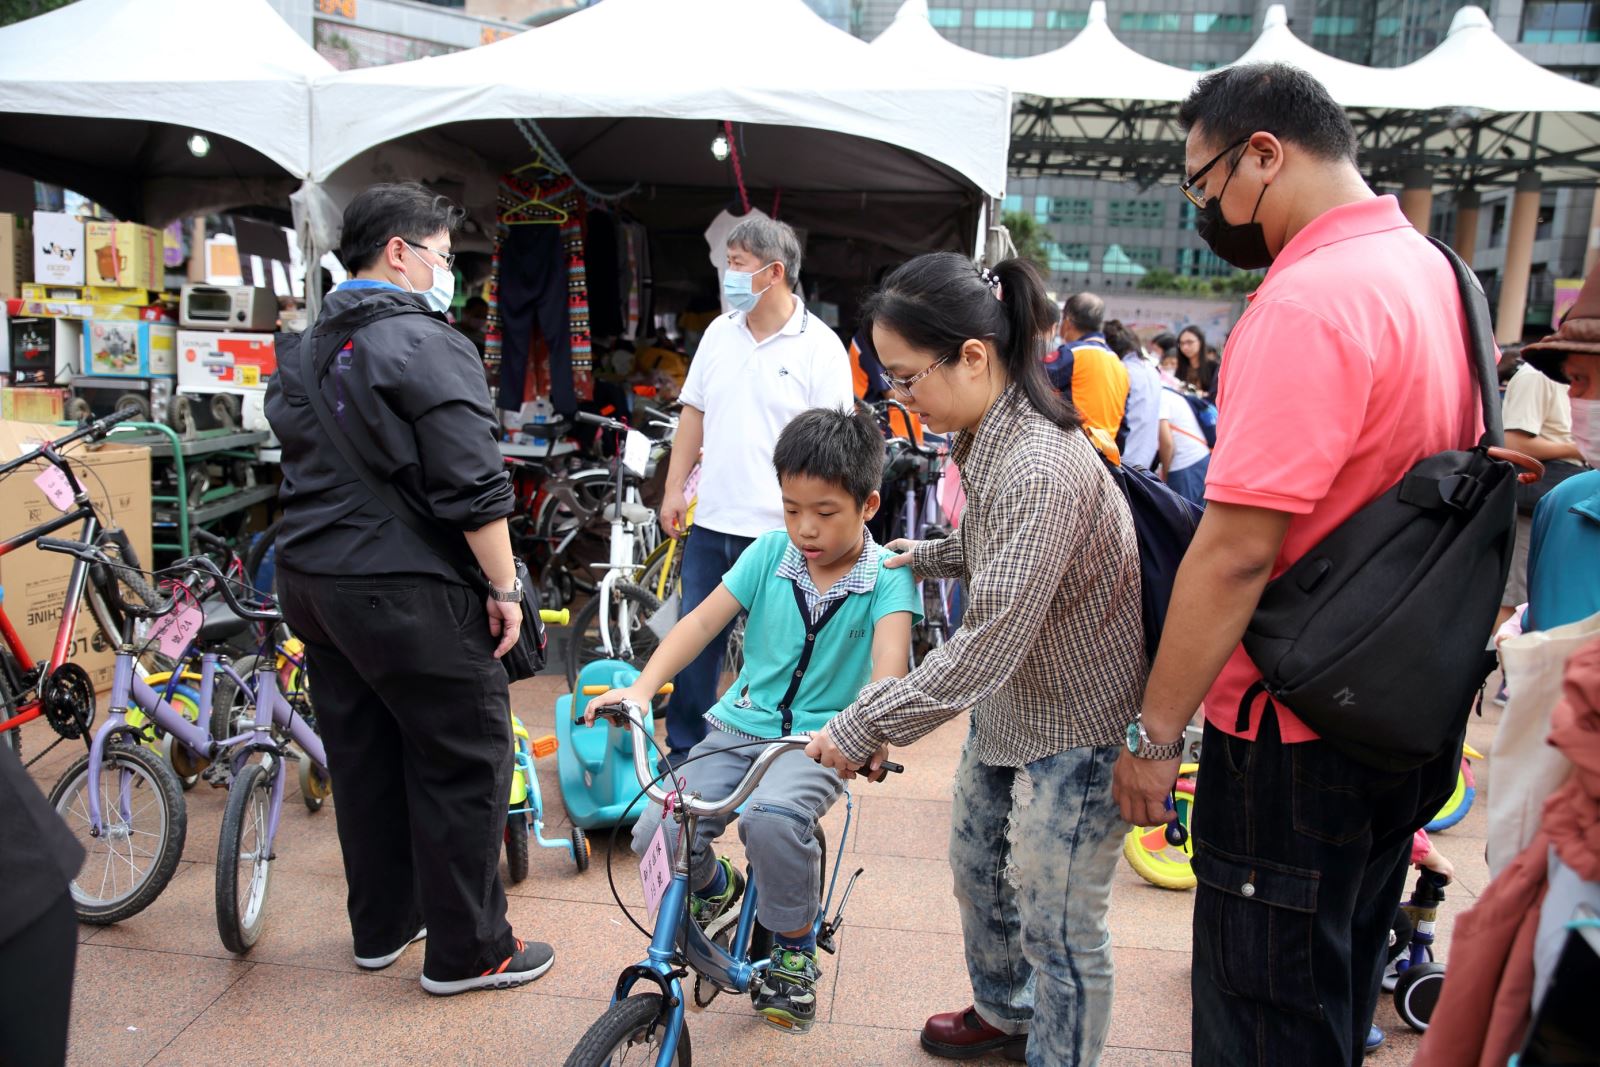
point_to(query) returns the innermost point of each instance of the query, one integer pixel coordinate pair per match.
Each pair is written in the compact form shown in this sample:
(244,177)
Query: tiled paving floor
(159,988)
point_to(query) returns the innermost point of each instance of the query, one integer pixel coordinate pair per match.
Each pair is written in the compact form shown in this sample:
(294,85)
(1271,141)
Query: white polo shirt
(749,392)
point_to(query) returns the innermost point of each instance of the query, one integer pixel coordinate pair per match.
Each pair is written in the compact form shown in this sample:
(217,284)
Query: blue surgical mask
(736,289)
(438,297)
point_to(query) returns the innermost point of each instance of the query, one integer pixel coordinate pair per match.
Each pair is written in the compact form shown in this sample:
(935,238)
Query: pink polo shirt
(1349,366)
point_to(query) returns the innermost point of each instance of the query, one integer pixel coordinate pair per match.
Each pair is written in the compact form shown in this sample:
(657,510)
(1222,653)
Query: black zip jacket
(410,394)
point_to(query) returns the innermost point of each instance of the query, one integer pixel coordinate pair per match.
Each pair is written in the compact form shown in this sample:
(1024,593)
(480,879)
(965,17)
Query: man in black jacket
(402,639)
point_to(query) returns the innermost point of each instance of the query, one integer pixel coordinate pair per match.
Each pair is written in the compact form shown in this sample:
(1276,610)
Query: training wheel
(315,785)
(580,849)
(1157,860)
(1417,994)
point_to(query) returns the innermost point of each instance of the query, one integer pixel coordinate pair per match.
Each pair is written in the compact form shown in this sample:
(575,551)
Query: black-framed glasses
(905,385)
(449,259)
(1187,188)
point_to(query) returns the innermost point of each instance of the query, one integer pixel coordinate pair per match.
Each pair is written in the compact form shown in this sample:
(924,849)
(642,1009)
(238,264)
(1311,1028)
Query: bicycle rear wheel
(244,867)
(143,826)
(585,644)
(625,1037)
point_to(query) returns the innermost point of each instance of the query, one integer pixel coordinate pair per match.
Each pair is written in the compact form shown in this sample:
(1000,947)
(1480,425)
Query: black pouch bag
(1378,637)
(523,659)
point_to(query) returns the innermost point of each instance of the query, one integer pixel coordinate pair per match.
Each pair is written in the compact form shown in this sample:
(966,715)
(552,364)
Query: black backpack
(1377,638)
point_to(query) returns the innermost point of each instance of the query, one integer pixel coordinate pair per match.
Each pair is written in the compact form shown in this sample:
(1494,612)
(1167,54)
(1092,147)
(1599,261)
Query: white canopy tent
(1094,65)
(103,95)
(875,158)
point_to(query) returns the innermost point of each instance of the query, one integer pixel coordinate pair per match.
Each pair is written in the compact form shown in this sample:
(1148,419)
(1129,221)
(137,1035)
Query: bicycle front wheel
(585,643)
(244,864)
(143,823)
(627,1036)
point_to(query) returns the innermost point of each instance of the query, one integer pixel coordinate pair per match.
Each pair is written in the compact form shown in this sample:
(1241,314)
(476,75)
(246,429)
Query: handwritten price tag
(176,629)
(655,871)
(636,452)
(56,488)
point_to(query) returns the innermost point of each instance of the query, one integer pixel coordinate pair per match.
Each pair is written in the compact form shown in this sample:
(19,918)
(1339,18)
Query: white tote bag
(1523,768)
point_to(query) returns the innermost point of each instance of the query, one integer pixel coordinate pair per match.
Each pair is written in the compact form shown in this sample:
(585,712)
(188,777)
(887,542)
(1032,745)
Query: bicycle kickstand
(827,937)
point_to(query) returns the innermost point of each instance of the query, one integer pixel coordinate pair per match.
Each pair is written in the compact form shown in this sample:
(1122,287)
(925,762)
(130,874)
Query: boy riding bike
(825,617)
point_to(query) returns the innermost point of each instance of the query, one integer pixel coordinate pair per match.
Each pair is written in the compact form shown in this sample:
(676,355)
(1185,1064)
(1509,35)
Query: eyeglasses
(1187,188)
(449,260)
(905,385)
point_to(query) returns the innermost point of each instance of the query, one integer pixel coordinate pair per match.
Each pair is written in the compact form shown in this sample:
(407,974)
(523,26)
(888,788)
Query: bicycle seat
(221,625)
(637,514)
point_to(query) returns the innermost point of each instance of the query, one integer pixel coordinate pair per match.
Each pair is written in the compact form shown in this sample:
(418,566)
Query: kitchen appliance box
(35,582)
(58,253)
(42,351)
(213,361)
(130,349)
(123,255)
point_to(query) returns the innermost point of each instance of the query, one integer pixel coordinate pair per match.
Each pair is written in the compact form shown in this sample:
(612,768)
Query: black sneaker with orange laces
(531,960)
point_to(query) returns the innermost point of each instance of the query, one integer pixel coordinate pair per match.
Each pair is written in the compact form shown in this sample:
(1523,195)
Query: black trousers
(415,716)
(533,297)
(36,988)
(1301,857)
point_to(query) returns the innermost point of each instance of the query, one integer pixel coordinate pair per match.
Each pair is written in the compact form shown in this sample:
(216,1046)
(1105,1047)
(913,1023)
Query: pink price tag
(176,629)
(56,488)
(655,872)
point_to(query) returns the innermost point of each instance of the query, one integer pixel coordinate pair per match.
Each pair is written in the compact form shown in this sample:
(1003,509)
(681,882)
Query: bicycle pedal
(545,746)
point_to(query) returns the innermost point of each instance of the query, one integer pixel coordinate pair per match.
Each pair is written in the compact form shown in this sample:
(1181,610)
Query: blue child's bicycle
(649,1028)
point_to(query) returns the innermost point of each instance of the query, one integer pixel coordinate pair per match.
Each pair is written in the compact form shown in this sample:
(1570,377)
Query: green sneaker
(788,995)
(707,910)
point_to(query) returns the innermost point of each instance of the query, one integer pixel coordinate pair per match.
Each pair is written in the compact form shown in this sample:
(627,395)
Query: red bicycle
(60,690)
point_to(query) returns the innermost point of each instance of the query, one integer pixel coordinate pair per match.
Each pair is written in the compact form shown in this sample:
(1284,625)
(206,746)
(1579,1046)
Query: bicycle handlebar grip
(555,618)
(205,536)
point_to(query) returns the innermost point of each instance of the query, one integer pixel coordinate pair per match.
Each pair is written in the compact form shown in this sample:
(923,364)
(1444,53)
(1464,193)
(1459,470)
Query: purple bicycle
(126,803)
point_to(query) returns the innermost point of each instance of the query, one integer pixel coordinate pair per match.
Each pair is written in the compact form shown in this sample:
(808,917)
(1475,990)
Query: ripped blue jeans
(1033,850)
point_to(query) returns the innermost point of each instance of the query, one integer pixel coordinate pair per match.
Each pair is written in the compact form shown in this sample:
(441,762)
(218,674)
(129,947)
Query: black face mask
(1243,245)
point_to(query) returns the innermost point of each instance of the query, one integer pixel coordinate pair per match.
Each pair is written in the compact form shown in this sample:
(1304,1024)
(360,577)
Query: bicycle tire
(258,554)
(229,703)
(624,1022)
(554,519)
(581,648)
(69,799)
(517,830)
(249,811)
(11,738)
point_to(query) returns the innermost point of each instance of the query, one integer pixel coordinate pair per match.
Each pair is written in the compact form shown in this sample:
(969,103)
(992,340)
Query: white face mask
(438,297)
(1586,430)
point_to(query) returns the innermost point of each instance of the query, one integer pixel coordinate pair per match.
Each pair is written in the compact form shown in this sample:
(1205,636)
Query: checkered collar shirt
(863,577)
(1050,651)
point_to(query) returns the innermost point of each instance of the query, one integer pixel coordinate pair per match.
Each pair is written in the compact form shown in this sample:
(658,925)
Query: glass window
(1013,203)
(1545,226)
(1186,214)
(1003,19)
(1334,26)
(1150,21)
(1388,27)
(1066,20)
(1118,261)
(1062,210)
(1202,263)
(945,18)
(1211,23)
(1145,212)
(1069,258)
(1497,226)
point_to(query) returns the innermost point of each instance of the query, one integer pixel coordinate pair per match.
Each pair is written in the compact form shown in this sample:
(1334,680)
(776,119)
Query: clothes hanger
(552,213)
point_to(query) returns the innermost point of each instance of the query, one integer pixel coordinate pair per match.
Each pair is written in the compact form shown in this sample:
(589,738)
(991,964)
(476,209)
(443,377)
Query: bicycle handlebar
(602,422)
(96,429)
(926,450)
(92,554)
(209,566)
(631,715)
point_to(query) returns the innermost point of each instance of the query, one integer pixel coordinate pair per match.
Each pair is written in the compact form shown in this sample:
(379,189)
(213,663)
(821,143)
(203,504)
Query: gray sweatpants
(778,825)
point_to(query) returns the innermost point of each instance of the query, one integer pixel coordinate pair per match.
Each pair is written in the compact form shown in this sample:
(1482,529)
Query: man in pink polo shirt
(1348,367)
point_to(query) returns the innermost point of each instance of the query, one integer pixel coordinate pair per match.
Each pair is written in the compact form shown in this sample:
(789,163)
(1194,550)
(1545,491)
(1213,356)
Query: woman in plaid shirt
(1049,659)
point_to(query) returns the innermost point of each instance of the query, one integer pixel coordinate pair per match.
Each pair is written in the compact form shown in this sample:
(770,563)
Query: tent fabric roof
(1095,65)
(156,61)
(676,59)
(1474,67)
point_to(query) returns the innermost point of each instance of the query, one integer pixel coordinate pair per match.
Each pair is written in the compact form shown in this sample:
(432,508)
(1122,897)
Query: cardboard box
(75,308)
(129,349)
(123,255)
(57,249)
(33,403)
(16,254)
(44,351)
(211,361)
(35,582)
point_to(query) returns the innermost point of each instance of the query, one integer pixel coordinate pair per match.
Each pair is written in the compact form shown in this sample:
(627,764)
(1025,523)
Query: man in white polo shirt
(756,368)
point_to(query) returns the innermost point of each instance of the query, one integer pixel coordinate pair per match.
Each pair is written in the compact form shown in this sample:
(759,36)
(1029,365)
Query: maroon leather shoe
(963,1035)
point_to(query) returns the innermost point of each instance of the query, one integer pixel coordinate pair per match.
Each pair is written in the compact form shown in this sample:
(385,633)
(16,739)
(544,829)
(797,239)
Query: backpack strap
(1480,344)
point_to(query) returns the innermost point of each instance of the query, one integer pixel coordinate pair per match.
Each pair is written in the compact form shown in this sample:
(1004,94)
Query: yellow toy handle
(555,618)
(601,690)
(1471,753)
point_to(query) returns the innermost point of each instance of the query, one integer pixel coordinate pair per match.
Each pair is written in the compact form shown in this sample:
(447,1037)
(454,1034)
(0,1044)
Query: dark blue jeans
(1301,855)
(707,556)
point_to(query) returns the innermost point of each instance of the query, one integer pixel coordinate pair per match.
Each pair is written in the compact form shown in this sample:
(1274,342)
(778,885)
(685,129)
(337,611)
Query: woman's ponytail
(1029,312)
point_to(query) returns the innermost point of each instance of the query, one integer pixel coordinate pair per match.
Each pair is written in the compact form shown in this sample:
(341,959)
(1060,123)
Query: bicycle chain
(67,699)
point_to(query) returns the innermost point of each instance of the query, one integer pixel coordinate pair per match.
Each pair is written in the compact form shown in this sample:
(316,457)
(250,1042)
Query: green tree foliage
(1029,237)
(17,10)
(1161,280)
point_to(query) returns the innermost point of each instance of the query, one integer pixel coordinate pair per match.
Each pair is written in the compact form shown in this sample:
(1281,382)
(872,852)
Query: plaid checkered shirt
(1050,651)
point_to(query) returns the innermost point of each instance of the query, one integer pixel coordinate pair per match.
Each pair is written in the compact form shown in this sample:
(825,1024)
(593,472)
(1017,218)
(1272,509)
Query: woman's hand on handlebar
(824,751)
(902,547)
(633,694)
(505,622)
